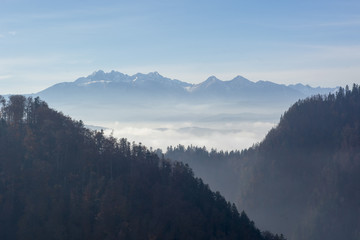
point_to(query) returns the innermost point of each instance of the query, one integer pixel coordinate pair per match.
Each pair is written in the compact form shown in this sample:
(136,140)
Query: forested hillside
(59,180)
(303,178)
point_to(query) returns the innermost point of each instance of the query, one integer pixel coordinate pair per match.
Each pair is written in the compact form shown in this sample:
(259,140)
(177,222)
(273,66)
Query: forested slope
(59,180)
(308,169)
(303,179)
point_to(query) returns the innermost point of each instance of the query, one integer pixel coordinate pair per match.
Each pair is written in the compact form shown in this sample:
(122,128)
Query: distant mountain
(309,91)
(101,87)
(114,96)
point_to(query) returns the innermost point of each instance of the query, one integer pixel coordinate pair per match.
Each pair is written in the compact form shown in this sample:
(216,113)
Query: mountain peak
(101,77)
(212,79)
(97,73)
(150,74)
(154,75)
(239,77)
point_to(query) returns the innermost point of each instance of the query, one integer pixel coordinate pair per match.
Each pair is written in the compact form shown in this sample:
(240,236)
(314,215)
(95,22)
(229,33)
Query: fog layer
(212,126)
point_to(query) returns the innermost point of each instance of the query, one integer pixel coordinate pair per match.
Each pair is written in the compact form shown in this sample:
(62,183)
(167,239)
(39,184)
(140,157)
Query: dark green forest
(303,179)
(60,180)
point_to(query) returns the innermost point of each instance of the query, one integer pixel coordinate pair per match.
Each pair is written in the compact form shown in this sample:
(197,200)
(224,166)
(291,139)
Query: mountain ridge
(152,85)
(115,96)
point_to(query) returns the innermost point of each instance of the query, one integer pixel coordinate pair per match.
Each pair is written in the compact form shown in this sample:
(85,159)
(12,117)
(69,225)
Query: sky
(284,41)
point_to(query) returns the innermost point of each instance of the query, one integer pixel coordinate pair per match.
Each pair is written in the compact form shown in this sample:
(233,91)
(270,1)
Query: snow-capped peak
(92,82)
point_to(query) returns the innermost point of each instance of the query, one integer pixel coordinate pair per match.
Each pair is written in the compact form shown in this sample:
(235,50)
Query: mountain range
(115,96)
(101,87)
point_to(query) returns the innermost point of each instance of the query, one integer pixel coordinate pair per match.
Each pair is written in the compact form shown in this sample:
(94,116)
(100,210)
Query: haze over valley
(159,112)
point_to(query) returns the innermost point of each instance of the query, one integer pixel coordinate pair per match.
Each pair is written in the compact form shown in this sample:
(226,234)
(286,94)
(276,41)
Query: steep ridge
(307,168)
(303,178)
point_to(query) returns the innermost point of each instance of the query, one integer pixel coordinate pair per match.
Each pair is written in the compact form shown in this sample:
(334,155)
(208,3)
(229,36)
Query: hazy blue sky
(285,41)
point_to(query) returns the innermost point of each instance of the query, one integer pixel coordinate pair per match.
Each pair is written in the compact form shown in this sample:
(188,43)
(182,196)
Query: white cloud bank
(228,136)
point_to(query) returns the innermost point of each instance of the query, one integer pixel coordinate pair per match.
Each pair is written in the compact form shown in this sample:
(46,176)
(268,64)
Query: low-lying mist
(221,136)
(221,127)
